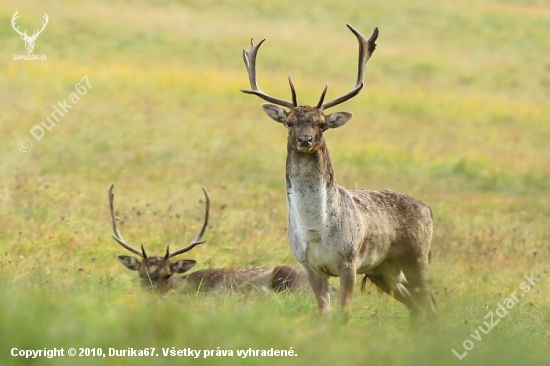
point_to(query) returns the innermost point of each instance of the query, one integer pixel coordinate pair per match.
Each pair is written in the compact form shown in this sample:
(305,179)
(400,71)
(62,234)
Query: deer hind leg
(391,280)
(418,284)
(320,286)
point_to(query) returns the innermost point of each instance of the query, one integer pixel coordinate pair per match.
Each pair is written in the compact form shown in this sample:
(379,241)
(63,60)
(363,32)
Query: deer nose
(304,140)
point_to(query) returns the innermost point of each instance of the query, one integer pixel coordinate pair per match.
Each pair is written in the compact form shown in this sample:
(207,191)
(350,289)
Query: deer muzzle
(305,143)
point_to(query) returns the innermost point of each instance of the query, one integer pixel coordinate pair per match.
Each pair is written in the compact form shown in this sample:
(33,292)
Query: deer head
(306,124)
(29,40)
(156,272)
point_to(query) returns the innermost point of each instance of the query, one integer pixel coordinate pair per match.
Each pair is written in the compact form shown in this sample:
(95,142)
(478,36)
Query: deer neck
(306,169)
(311,189)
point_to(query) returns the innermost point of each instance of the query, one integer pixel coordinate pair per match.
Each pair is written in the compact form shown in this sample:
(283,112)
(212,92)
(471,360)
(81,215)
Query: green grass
(454,112)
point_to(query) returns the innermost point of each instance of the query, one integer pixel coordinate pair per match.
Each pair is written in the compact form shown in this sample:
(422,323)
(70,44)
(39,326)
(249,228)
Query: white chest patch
(309,224)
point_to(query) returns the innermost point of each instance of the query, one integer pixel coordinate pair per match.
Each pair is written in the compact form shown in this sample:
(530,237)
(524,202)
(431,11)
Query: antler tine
(118,236)
(37,32)
(13,19)
(44,23)
(197,239)
(366,48)
(249,58)
(293,91)
(320,104)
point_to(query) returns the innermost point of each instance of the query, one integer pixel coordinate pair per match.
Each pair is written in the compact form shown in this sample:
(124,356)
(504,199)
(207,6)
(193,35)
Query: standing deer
(158,272)
(29,40)
(337,232)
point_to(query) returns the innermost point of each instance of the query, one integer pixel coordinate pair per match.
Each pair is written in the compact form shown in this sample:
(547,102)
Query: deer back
(394,224)
(276,279)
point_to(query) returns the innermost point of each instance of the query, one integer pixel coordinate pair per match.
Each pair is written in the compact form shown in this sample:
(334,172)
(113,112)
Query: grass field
(454,112)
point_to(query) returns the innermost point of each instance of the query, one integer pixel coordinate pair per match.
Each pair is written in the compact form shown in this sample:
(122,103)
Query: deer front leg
(347,284)
(320,287)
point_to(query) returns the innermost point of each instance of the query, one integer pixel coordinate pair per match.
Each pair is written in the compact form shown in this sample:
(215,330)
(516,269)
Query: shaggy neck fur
(312,198)
(309,168)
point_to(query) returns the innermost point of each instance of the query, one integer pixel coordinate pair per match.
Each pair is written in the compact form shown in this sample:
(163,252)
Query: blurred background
(454,112)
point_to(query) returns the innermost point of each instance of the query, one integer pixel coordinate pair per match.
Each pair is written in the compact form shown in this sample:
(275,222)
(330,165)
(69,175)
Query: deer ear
(184,265)
(129,262)
(275,112)
(337,119)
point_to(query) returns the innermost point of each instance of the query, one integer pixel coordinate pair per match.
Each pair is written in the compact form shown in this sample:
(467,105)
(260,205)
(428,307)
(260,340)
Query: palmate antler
(118,237)
(366,48)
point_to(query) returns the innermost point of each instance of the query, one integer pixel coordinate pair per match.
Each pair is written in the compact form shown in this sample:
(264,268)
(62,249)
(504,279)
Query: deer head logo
(29,40)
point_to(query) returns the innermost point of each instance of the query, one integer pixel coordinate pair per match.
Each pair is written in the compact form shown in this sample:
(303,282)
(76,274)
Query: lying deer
(337,232)
(158,272)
